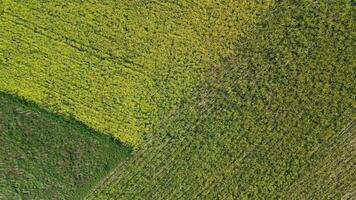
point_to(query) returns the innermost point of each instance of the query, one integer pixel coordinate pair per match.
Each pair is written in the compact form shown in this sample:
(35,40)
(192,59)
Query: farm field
(44,156)
(117,66)
(232,99)
(266,123)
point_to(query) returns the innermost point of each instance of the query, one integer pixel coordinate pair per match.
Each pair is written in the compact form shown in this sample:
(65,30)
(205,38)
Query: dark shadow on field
(44,155)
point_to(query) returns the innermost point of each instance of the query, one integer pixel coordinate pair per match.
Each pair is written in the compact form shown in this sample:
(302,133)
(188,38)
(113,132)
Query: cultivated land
(117,66)
(265,124)
(43,156)
(220,99)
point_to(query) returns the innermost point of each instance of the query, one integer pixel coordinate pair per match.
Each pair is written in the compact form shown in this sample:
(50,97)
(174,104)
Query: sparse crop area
(232,99)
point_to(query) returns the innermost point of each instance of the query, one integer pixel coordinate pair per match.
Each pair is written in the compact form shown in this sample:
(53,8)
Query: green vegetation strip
(45,156)
(267,123)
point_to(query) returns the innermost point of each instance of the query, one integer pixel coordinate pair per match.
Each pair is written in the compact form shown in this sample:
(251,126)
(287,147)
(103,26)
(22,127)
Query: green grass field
(232,99)
(44,156)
